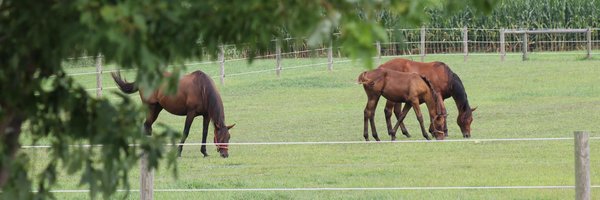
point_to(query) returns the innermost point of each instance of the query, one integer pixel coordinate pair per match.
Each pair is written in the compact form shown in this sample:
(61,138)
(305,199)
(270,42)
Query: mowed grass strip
(548,96)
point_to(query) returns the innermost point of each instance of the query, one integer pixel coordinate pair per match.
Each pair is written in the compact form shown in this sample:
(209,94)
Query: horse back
(436,72)
(403,86)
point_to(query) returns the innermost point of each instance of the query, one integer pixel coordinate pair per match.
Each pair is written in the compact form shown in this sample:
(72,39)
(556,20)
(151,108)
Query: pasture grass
(547,96)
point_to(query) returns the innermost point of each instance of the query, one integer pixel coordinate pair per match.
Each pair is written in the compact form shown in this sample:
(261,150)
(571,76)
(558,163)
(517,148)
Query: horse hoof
(394,138)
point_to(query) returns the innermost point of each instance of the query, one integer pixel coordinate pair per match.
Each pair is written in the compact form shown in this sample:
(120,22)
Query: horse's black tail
(124,86)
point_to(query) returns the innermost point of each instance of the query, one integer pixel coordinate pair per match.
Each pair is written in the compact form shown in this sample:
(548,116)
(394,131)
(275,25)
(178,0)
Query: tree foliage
(36,36)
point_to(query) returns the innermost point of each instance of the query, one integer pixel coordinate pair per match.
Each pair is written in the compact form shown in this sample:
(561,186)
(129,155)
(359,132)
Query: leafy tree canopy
(36,36)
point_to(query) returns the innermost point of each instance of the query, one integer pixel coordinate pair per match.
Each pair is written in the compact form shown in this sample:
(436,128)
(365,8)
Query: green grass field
(547,96)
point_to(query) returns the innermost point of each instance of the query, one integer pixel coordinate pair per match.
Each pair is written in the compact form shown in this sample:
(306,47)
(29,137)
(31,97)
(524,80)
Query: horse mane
(457,90)
(212,97)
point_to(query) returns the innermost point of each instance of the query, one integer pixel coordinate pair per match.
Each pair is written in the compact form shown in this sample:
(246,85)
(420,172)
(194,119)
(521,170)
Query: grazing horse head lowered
(196,95)
(399,87)
(444,81)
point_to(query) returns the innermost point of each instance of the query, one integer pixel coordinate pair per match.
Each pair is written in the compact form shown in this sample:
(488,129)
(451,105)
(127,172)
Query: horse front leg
(206,122)
(444,113)
(186,130)
(400,116)
(417,109)
(389,106)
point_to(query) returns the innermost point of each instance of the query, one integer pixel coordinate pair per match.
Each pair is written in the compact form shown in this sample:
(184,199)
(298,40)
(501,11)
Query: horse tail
(124,86)
(362,79)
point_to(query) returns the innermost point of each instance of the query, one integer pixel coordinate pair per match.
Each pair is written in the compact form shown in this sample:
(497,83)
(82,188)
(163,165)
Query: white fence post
(378,44)
(330,56)
(99,75)
(525,45)
(146,179)
(422,44)
(222,61)
(278,58)
(465,42)
(582,166)
(502,45)
(588,34)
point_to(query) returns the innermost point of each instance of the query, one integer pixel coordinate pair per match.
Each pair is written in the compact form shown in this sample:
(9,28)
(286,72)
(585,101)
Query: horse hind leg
(389,106)
(369,117)
(186,130)
(153,111)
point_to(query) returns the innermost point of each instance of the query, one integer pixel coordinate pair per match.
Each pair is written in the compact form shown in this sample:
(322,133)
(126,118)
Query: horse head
(439,124)
(464,121)
(222,138)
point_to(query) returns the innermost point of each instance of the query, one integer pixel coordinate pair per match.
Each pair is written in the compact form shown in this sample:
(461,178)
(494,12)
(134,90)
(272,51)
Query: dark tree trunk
(10,129)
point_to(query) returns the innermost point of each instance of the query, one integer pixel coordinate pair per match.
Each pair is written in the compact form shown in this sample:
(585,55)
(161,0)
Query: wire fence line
(335,142)
(234,74)
(340,189)
(423,41)
(144,189)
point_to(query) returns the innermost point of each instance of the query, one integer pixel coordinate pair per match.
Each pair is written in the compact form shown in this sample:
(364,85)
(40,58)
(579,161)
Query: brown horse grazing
(410,88)
(443,80)
(196,95)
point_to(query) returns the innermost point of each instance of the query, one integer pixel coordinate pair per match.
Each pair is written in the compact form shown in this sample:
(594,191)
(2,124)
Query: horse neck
(214,103)
(432,103)
(216,112)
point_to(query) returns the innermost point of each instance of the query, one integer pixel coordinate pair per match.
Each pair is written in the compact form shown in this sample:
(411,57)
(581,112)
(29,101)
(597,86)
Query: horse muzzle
(439,135)
(223,152)
(466,135)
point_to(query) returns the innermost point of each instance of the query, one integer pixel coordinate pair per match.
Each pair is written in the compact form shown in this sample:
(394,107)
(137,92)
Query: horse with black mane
(443,80)
(399,87)
(196,95)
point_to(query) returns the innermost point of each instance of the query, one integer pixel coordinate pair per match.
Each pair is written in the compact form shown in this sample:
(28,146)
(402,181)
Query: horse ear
(230,126)
(473,109)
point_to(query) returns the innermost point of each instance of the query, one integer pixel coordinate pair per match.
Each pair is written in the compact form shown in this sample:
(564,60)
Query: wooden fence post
(278,58)
(502,45)
(465,42)
(589,43)
(146,179)
(582,166)
(330,56)
(99,75)
(378,45)
(525,45)
(222,61)
(422,44)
